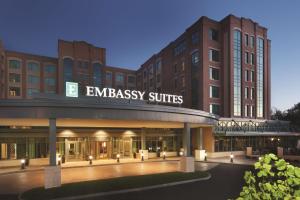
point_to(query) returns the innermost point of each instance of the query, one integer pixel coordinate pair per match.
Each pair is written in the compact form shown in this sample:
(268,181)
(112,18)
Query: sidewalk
(75,164)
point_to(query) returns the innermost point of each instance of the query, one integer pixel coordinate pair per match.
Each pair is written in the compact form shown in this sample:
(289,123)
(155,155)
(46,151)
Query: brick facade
(199,65)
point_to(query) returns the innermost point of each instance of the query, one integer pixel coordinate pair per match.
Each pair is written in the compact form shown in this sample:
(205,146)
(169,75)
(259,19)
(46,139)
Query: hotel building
(221,69)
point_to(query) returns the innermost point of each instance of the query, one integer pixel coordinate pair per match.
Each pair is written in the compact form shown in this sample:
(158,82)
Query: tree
(272,179)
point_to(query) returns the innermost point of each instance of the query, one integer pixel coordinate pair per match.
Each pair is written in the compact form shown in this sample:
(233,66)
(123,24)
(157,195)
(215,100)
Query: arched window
(97,74)
(14,64)
(33,67)
(68,69)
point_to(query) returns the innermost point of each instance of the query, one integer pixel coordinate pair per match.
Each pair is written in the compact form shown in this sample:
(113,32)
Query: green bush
(272,179)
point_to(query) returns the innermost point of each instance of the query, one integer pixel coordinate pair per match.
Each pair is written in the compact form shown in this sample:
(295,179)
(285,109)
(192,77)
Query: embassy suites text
(132,94)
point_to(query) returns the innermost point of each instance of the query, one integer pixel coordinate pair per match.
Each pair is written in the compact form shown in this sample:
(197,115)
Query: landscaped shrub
(272,179)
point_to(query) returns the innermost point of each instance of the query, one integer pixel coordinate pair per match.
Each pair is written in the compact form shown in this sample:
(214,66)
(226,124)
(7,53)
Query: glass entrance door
(8,151)
(122,146)
(75,150)
(102,150)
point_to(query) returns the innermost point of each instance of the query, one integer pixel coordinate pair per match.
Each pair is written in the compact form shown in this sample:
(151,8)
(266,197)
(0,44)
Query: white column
(52,142)
(187,139)
(187,162)
(52,172)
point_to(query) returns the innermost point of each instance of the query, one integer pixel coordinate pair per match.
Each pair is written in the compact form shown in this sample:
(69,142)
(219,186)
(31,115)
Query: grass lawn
(89,187)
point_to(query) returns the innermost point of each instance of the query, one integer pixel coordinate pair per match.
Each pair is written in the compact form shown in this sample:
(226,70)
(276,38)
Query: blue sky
(132,30)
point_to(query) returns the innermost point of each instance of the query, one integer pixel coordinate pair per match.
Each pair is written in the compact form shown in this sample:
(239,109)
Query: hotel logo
(71,89)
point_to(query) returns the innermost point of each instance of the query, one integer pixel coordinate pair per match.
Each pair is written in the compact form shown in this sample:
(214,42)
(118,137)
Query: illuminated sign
(92,91)
(71,89)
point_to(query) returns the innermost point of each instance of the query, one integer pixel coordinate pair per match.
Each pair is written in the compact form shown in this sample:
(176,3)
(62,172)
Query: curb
(100,194)
(228,163)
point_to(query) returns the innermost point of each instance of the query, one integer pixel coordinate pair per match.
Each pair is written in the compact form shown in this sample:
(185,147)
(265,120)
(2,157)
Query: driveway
(226,183)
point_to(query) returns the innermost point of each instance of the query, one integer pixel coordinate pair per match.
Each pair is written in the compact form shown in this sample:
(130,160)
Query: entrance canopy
(70,112)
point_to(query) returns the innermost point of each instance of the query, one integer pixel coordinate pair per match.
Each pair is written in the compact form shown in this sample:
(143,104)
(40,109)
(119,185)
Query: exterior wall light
(22,163)
(59,160)
(181,153)
(164,155)
(118,158)
(91,160)
(142,156)
(231,158)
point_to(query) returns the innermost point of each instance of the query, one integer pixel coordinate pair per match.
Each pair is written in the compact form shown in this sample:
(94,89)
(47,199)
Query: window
(14,91)
(252,93)
(260,78)
(180,48)
(195,57)
(246,110)
(50,81)
(14,78)
(108,76)
(252,76)
(214,92)
(213,34)
(151,70)
(182,65)
(252,59)
(175,68)
(246,39)
(246,75)
(195,38)
(68,69)
(252,41)
(251,112)
(246,57)
(214,108)
(214,55)
(14,64)
(246,92)
(31,91)
(213,73)
(120,78)
(237,73)
(33,79)
(97,74)
(33,67)
(145,74)
(175,83)
(183,81)
(151,82)
(158,78)
(158,66)
(50,69)
(131,79)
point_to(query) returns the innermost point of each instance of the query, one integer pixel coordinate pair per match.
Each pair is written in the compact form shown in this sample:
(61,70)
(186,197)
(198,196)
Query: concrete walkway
(8,170)
(14,183)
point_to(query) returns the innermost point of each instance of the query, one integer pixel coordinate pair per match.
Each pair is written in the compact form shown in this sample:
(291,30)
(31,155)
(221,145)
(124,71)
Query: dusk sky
(133,30)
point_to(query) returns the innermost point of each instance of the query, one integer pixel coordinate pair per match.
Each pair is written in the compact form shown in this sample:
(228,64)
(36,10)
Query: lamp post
(231,158)
(164,155)
(142,156)
(91,160)
(118,158)
(59,160)
(22,163)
